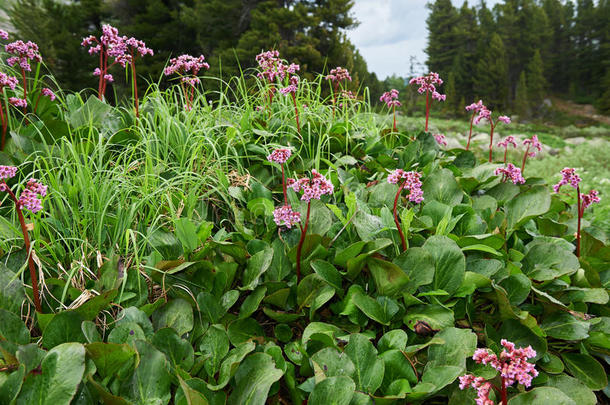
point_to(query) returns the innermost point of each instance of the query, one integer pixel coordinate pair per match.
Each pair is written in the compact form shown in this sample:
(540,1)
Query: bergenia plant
(427,84)
(533,146)
(292,90)
(3,35)
(47,92)
(11,83)
(135,48)
(513,366)
(313,188)
(440,139)
(187,67)
(112,50)
(411,181)
(390,98)
(505,143)
(272,69)
(475,108)
(284,215)
(484,113)
(29,199)
(23,52)
(570,177)
(336,77)
(510,171)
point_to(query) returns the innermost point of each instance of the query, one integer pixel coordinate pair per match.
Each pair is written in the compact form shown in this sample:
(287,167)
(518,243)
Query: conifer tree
(536,82)
(452,96)
(491,80)
(443,41)
(521,105)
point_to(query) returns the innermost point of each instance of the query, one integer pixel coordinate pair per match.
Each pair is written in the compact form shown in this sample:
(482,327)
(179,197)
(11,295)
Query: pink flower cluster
(411,182)
(24,53)
(338,74)
(428,83)
(3,35)
(7,172)
(390,98)
(504,118)
(272,67)
(480,384)
(568,176)
(533,143)
(186,64)
(292,88)
(30,197)
(8,81)
(313,188)
(588,199)
(475,107)
(285,216)
(18,102)
(510,172)
(279,156)
(509,140)
(48,93)
(484,113)
(440,139)
(512,365)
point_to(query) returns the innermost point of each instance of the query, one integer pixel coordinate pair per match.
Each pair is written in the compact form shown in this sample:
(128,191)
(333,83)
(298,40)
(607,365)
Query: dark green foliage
(521,105)
(536,80)
(492,74)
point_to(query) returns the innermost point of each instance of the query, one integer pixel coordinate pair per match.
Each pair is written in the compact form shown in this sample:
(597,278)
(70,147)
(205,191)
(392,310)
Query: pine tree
(443,41)
(451,104)
(536,80)
(521,105)
(491,80)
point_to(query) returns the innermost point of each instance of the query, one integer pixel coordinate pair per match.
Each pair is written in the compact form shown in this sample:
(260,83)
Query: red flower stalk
(391,100)
(30,200)
(292,90)
(531,143)
(10,82)
(484,113)
(427,84)
(187,67)
(336,76)
(509,140)
(410,180)
(475,108)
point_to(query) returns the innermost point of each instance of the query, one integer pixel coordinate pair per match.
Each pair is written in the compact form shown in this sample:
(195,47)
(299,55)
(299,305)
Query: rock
(576,140)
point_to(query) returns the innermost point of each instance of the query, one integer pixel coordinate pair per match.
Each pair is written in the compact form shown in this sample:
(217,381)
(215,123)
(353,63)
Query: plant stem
(470,134)
(296,112)
(99,85)
(37,101)
(4,119)
(284,186)
(580,212)
(427,108)
(25,90)
(402,236)
(26,239)
(300,246)
(504,398)
(525,158)
(135,85)
(491,140)
(505,152)
(394,113)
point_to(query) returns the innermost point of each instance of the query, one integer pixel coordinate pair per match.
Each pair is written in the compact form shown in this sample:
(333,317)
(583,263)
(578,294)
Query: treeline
(230,33)
(517,53)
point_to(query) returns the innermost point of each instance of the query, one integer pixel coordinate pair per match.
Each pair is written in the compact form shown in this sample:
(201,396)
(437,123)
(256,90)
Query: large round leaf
(253,380)
(333,391)
(542,396)
(586,369)
(449,263)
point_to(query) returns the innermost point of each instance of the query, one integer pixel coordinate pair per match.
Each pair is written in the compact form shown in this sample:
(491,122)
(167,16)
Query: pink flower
(505,119)
(272,67)
(588,199)
(18,102)
(484,113)
(30,201)
(428,83)
(339,74)
(475,107)
(312,188)
(285,216)
(568,176)
(437,96)
(24,53)
(440,139)
(279,156)
(533,144)
(390,98)
(512,363)
(482,386)
(511,172)
(509,140)
(7,172)
(3,35)
(412,183)
(186,64)
(48,93)
(292,88)
(8,81)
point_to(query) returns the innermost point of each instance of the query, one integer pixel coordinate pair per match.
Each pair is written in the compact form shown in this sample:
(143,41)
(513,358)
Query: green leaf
(251,303)
(396,367)
(64,327)
(329,273)
(12,293)
(151,381)
(191,396)
(308,289)
(522,336)
(437,316)
(381,310)
(10,384)
(329,362)
(562,325)
(542,396)
(257,265)
(459,344)
(333,391)
(449,262)
(442,187)
(110,358)
(531,203)
(393,340)
(418,264)
(573,388)
(369,368)
(178,351)
(547,259)
(320,328)
(187,234)
(62,371)
(12,328)
(586,369)
(243,330)
(214,346)
(517,287)
(253,380)
(230,363)
(176,314)
(389,279)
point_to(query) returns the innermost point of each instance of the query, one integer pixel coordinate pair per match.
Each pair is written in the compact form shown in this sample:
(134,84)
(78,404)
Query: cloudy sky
(391,31)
